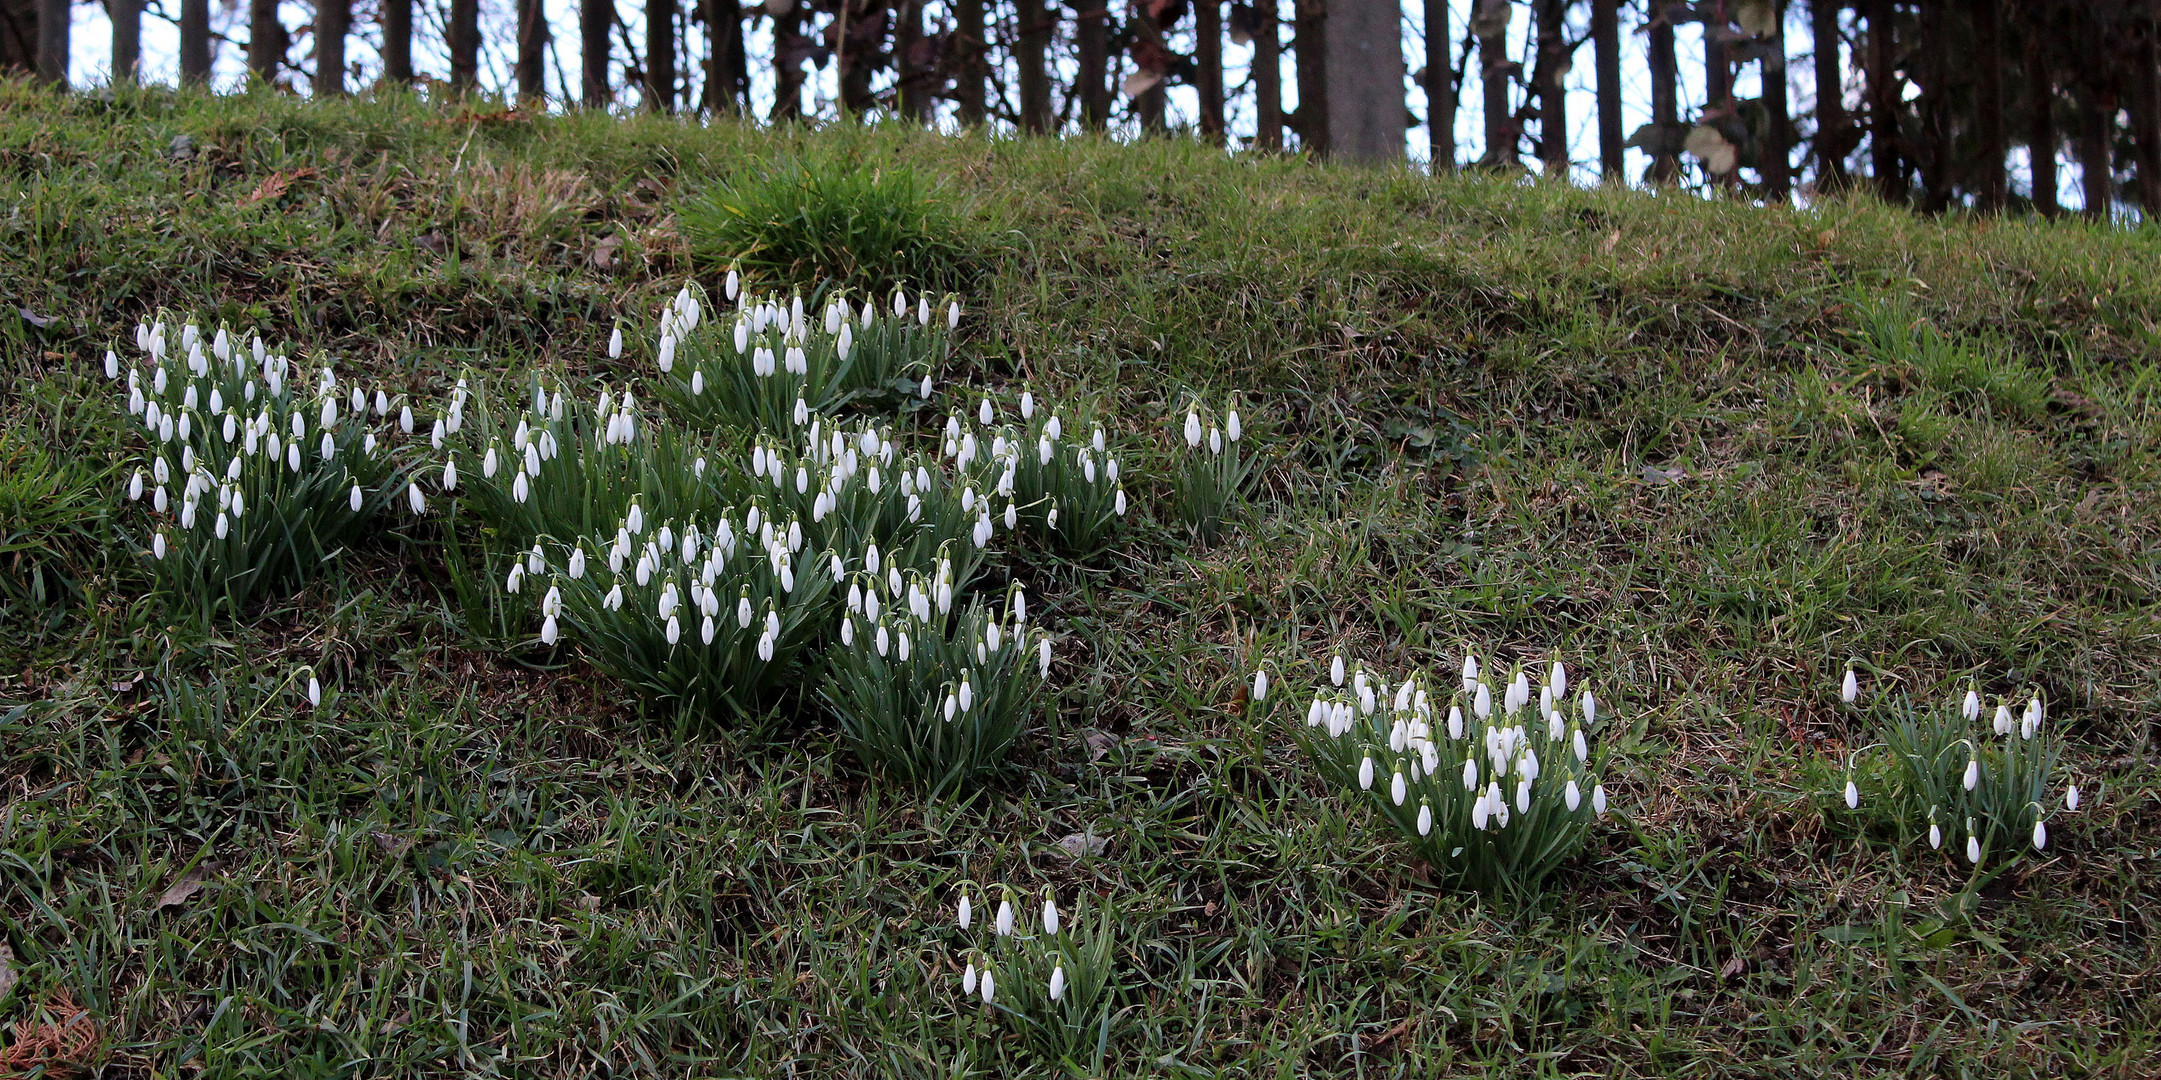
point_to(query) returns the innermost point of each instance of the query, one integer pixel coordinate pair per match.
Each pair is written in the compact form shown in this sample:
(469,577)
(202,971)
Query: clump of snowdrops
(1057,987)
(775,361)
(1214,471)
(929,696)
(1062,482)
(1961,783)
(257,471)
(1493,784)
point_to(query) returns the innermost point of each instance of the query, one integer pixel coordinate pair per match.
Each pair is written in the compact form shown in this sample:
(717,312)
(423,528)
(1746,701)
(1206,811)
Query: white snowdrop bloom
(733,282)
(967,915)
(315,691)
(1425,818)
(615,344)
(847,631)
(1481,813)
(1589,706)
(1973,848)
(1455,721)
(1582,746)
(1335,670)
(1004,925)
(1571,796)
(2032,721)
(990,986)
(1232,427)
(966,695)
(1971,707)
(1482,702)
(405,420)
(1973,773)
(1042,656)
(675,629)
(1849,689)
(1523,796)
(547,630)
(1397,789)
(1119,503)
(520,488)
(1057,983)
(1935,836)
(135,486)
(1365,774)
(157,500)
(952,315)
(2070,798)
(1853,796)
(450,476)
(221,526)
(1215,440)
(1260,685)
(157,546)
(488,464)
(1193,430)
(1470,774)
(1598,799)
(2003,719)
(1050,916)
(419,501)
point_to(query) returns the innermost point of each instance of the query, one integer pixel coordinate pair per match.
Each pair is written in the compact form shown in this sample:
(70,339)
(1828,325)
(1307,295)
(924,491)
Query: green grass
(1704,451)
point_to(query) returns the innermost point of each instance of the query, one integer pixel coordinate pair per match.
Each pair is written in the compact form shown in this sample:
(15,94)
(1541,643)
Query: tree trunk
(1208,66)
(1717,70)
(1606,54)
(967,50)
(530,68)
(397,16)
(463,38)
(1091,51)
(914,76)
(1665,100)
(266,39)
(596,19)
(1988,104)
(659,93)
(333,20)
(1267,76)
(1883,103)
(127,16)
(1440,87)
(1938,173)
(787,64)
(2041,124)
(726,67)
(1552,18)
(1490,24)
(54,25)
(1775,161)
(1365,80)
(2096,135)
(1037,24)
(1830,96)
(2146,116)
(1310,57)
(195,41)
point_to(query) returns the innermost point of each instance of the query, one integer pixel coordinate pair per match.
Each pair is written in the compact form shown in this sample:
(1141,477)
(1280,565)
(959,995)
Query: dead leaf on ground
(1654,475)
(180,891)
(604,251)
(1077,845)
(276,184)
(1734,966)
(7,970)
(1099,743)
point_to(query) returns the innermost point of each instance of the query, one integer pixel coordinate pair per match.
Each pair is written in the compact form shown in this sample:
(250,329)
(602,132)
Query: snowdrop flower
(1590,709)
(990,986)
(675,629)
(1397,789)
(1335,670)
(1971,707)
(547,631)
(2040,834)
(1482,702)
(2003,719)
(1260,685)
(1598,799)
(1193,430)
(315,691)
(1853,796)
(1004,924)
(1425,818)
(952,315)
(1057,982)
(419,501)
(2070,798)
(2032,722)
(968,979)
(135,486)
(1558,680)
(1050,916)
(615,344)
(967,914)
(1935,836)
(1231,426)
(157,550)
(1042,656)
(1470,774)
(450,475)
(1215,440)
(1973,773)
(405,420)
(1572,796)
(1365,774)
(1850,688)
(1973,845)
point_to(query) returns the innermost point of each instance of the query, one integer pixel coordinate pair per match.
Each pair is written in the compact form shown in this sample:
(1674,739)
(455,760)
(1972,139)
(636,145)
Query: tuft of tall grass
(812,219)
(52,516)
(252,482)
(1493,786)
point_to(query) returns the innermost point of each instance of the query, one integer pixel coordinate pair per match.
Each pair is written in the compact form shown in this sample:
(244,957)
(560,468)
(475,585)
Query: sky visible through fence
(91,41)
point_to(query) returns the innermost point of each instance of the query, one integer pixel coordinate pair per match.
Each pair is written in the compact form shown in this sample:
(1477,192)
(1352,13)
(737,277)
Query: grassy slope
(469,858)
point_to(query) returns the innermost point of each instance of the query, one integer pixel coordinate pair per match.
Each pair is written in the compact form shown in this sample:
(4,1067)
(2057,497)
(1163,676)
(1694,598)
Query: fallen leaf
(275,185)
(604,251)
(1080,844)
(7,970)
(181,891)
(1652,474)
(1734,966)
(1099,743)
(33,318)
